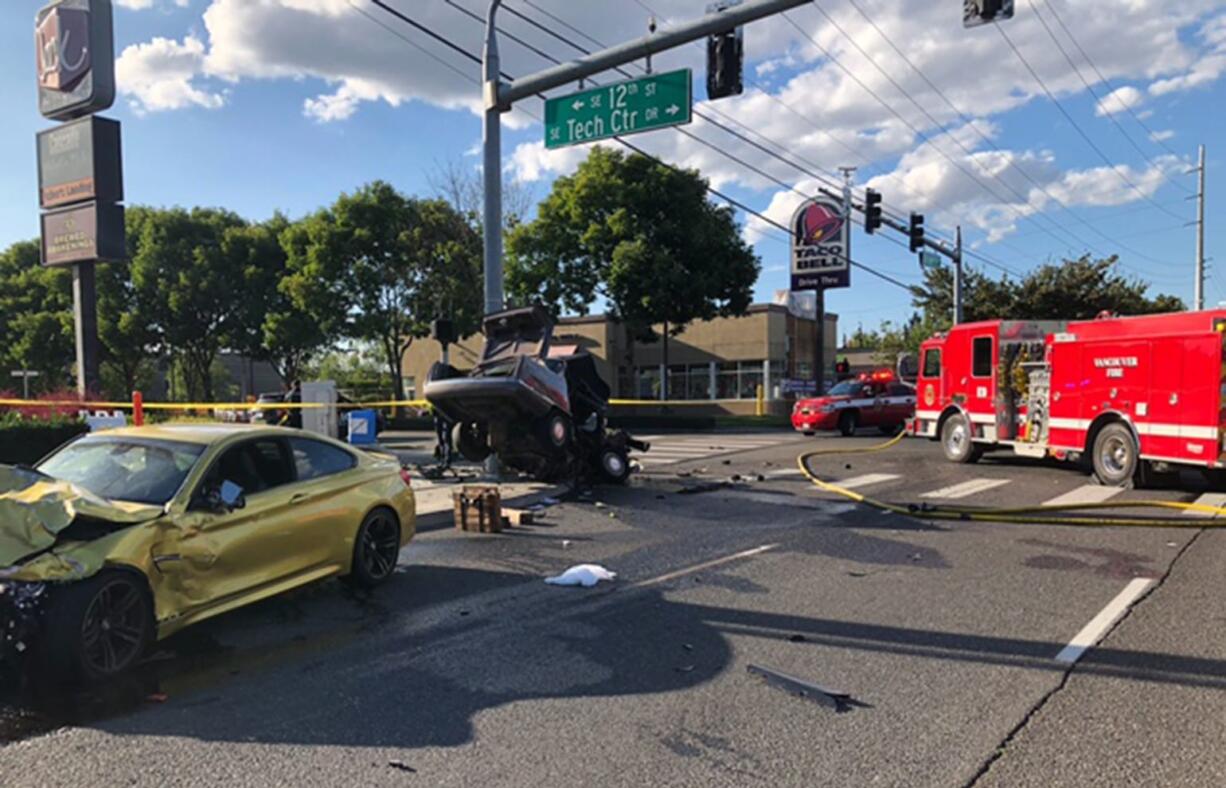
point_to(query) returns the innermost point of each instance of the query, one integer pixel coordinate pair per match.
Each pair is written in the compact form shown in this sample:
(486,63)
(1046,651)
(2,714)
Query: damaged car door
(237,534)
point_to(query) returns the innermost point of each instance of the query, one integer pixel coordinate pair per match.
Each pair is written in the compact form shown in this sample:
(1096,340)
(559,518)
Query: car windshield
(125,469)
(846,389)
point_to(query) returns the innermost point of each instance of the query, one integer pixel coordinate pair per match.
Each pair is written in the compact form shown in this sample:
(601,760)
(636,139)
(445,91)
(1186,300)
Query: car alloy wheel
(380,546)
(115,627)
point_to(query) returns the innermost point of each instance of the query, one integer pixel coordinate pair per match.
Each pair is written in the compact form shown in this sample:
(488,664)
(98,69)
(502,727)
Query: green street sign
(643,104)
(929,260)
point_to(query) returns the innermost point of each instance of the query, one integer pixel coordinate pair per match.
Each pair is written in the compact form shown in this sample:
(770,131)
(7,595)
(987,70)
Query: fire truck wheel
(1115,456)
(848,422)
(956,441)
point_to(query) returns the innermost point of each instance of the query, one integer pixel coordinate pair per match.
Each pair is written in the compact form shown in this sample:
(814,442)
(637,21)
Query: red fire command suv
(878,400)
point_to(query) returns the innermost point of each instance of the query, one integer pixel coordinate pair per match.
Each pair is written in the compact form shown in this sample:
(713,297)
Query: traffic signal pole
(498,97)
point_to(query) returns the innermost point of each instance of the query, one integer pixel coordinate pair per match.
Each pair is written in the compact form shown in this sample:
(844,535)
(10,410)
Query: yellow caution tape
(1024,515)
(30,403)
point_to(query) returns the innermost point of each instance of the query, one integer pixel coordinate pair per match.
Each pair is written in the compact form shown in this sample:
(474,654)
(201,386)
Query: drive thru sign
(642,104)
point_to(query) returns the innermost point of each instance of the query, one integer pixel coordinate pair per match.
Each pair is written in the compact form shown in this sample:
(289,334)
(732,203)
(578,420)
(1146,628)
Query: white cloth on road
(586,575)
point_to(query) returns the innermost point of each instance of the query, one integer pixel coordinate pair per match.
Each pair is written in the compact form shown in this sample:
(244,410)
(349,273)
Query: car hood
(34,509)
(819,401)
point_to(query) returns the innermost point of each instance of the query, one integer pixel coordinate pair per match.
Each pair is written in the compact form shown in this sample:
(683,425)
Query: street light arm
(718,22)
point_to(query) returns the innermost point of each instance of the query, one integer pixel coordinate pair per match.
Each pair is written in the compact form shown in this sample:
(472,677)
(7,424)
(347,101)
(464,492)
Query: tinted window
(255,466)
(314,459)
(847,388)
(981,367)
(125,469)
(932,363)
(899,390)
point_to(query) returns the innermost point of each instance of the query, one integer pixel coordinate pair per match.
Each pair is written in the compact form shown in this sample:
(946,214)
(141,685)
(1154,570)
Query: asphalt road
(942,638)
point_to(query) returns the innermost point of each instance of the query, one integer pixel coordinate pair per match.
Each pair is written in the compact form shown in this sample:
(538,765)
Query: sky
(1068,129)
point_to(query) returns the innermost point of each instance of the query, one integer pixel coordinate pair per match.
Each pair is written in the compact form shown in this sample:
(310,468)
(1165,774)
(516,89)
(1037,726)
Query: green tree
(189,288)
(639,234)
(379,266)
(36,317)
(1071,290)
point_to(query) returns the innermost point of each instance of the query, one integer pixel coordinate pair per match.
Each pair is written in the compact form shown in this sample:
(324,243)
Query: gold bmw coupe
(123,537)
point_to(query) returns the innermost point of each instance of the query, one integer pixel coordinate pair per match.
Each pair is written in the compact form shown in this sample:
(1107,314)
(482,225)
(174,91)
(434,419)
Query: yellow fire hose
(1036,515)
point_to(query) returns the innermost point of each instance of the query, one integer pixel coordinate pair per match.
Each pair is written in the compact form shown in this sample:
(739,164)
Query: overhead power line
(1076,126)
(715,192)
(969,123)
(1110,115)
(1128,107)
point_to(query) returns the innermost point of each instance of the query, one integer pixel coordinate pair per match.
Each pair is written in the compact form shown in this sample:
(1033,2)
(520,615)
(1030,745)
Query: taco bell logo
(820,241)
(61,38)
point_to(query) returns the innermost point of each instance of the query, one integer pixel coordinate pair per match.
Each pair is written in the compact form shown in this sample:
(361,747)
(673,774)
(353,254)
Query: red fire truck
(1135,394)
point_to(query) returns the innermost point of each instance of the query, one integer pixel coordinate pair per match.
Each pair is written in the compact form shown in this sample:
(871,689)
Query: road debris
(401,766)
(684,668)
(565,543)
(157,697)
(586,575)
(839,701)
(798,638)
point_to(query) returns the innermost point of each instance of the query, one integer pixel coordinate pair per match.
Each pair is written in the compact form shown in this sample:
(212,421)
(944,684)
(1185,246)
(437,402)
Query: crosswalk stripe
(1208,499)
(866,480)
(1086,493)
(965,489)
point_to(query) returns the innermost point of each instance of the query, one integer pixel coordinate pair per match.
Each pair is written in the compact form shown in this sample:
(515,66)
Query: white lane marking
(1092,632)
(965,488)
(783,472)
(1086,493)
(664,578)
(866,480)
(1208,499)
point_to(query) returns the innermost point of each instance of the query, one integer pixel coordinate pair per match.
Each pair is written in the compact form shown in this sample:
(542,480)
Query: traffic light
(916,232)
(872,211)
(442,331)
(980,12)
(725,56)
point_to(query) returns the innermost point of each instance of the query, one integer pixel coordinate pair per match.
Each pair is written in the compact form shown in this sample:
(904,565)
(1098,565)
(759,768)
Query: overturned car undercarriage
(541,410)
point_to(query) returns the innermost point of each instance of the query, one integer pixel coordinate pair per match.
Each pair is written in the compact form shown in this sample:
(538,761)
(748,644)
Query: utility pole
(957,258)
(491,136)
(498,97)
(1199,290)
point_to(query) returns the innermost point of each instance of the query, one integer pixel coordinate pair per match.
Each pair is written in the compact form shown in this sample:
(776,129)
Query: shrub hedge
(26,441)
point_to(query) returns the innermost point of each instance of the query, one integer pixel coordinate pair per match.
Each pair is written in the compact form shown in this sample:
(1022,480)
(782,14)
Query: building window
(751,378)
(726,380)
(648,383)
(981,366)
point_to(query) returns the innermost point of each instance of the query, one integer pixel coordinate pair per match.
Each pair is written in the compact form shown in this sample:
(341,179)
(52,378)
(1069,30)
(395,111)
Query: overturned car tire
(471,441)
(614,466)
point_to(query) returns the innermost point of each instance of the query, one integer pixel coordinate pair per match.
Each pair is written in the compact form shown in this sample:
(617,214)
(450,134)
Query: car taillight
(406,478)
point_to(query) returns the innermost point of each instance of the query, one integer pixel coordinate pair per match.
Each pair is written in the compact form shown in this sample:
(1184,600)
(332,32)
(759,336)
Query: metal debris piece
(798,638)
(685,668)
(839,701)
(402,766)
(687,646)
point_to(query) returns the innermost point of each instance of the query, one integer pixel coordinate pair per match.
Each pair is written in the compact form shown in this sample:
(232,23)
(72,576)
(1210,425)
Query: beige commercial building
(722,361)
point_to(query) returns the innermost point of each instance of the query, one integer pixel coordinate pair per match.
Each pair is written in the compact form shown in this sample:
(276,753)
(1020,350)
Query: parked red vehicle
(878,400)
(1134,394)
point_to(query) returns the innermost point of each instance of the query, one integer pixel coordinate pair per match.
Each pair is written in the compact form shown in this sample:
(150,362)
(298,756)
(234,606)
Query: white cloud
(1162,135)
(810,106)
(1204,70)
(141,5)
(1119,100)
(161,75)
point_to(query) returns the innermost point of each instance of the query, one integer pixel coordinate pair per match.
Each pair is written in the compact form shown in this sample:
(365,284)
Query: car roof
(191,432)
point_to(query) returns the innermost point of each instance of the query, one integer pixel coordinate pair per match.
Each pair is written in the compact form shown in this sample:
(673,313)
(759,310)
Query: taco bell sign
(74,58)
(821,245)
